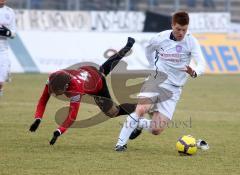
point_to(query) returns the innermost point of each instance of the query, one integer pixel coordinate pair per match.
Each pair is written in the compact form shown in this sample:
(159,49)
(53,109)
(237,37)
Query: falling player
(83,80)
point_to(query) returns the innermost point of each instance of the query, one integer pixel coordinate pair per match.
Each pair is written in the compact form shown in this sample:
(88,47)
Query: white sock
(127,129)
(145,124)
(1,92)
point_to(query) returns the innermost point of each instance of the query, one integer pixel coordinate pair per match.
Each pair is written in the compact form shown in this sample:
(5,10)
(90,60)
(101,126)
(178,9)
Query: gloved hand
(56,134)
(35,125)
(4,31)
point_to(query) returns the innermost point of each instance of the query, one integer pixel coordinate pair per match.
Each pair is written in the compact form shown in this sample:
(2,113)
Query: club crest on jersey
(178,48)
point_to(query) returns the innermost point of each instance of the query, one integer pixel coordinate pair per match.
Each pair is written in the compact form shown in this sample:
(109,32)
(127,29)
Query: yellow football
(186,145)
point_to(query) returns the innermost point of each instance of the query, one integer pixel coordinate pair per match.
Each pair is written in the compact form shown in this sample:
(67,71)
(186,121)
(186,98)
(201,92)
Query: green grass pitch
(211,102)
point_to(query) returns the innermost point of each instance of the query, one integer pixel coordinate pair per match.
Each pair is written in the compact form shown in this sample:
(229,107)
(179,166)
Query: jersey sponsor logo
(174,57)
(82,76)
(76,98)
(171,55)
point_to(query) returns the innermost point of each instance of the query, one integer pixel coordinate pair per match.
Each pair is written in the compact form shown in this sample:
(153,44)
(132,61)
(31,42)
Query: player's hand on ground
(56,134)
(4,31)
(35,125)
(191,72)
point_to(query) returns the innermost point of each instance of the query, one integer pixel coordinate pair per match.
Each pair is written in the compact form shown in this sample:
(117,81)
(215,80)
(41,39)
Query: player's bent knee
(157,131)
(141,109)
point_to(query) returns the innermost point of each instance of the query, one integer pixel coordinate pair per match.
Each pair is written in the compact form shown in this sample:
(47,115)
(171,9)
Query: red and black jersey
(84,80)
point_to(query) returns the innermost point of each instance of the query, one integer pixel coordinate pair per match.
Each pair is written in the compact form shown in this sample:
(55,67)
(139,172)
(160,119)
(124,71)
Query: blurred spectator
(191,3)
(208,4)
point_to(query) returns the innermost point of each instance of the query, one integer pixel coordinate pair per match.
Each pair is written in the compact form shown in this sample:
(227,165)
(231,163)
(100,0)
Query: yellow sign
(221,51)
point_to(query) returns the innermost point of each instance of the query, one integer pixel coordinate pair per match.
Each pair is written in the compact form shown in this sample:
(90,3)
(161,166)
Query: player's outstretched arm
(72,115)
(198,57)
(40,109)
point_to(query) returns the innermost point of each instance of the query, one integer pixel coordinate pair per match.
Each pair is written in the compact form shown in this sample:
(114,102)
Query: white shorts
(163,96)
(4,67)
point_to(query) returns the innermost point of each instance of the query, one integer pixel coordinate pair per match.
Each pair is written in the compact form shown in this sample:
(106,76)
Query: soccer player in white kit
(7,30)
(170,52)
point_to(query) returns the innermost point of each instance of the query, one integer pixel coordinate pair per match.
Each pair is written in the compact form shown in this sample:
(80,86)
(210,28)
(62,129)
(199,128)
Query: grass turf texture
(212,103)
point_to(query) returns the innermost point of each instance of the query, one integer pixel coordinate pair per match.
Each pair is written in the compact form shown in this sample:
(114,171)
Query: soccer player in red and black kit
(77,82)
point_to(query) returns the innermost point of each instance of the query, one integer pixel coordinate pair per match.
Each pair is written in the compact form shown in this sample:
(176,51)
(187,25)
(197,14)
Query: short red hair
(58,80)
(180,17)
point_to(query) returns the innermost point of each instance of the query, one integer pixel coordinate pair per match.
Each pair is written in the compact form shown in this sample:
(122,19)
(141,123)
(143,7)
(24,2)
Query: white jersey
(7,19)
(172,57)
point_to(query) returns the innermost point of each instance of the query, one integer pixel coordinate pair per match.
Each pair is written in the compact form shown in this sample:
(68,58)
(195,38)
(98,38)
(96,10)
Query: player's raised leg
(109,65)
(108,107)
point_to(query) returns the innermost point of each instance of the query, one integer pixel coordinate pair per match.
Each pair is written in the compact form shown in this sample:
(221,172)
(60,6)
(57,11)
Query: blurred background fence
(54,34)
(160,6)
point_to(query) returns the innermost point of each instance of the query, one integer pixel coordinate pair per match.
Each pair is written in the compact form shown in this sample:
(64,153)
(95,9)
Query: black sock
(126,108)
(109,65)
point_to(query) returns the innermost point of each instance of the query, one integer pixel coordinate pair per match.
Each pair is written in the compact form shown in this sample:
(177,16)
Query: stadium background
(54,34)
(67,32)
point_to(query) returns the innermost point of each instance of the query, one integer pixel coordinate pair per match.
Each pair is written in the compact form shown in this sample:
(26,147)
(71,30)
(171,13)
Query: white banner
(51,51)
(115,21)
(52,20)
(209,22)
(15,65)
(112,21)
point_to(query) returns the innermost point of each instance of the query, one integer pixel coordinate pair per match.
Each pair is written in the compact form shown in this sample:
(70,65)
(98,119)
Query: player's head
(58,82)
(180,22)
(2,3)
